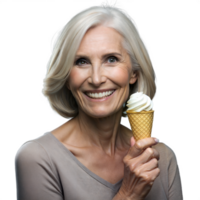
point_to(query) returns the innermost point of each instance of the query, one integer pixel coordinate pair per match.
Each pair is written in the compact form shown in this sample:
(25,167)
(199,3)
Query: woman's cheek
(120,76)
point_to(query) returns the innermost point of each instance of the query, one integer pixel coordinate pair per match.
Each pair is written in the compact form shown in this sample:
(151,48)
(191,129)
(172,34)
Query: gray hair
(66,44)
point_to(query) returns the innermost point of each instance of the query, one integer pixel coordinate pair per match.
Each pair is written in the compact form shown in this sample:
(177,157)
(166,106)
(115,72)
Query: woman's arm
(175,189)
(35,178)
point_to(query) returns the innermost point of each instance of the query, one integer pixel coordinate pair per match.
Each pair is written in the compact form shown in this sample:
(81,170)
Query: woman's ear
(133,78)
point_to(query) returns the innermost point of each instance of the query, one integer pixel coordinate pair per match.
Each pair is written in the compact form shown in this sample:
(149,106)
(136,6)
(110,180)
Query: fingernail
(156,140)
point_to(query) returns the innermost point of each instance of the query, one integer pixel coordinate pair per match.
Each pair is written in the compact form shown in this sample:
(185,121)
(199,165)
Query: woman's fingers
(149,154)
(149,166)
(139,147)
(140,169)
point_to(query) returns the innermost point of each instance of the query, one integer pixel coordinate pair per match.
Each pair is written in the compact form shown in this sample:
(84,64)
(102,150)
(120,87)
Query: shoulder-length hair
(66,46)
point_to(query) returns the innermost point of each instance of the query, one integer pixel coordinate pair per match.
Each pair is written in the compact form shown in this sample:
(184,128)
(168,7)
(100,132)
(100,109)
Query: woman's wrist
(119,196)
(122,196)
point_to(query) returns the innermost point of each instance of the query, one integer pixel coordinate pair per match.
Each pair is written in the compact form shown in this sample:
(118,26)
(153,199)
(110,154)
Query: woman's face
(102,72)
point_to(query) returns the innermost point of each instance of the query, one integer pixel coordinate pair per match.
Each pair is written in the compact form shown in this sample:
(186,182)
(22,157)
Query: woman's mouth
(99,96)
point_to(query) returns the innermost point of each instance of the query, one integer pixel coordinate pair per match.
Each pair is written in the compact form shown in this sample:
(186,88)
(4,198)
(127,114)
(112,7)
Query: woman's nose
(97,76)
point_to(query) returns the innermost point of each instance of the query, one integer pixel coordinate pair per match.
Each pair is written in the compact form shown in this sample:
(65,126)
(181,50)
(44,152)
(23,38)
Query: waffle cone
(141,123)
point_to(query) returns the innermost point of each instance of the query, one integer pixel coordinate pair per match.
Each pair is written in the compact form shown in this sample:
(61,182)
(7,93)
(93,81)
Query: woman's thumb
(132,141)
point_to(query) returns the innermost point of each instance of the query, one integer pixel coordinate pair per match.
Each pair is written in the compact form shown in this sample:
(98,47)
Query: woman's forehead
(101,34)
(106,43)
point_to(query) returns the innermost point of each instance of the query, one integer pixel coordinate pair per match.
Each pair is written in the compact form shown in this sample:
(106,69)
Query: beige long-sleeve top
(47,170)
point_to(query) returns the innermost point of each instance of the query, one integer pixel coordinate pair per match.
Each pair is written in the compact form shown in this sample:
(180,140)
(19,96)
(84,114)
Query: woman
(98,61)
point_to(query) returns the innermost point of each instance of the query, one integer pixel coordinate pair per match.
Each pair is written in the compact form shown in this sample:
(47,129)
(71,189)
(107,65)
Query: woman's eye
(78,61)
(82,60)
(113,57)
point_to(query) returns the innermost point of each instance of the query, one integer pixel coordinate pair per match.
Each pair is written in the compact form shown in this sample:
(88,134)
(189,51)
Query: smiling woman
(65,54)
(98,61)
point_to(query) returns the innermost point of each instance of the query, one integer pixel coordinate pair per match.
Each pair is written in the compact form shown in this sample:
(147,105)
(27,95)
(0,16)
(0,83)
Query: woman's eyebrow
(103,56)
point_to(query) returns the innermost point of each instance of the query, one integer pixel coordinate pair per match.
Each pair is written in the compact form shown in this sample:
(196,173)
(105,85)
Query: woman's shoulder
(34,149)
(163,147)
(31,158)
(29,153)
(166,153)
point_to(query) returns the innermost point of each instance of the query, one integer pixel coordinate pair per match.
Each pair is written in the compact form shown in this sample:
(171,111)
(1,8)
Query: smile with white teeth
(99,95)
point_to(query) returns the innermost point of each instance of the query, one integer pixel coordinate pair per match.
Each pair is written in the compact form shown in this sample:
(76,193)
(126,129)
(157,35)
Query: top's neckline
(98,178)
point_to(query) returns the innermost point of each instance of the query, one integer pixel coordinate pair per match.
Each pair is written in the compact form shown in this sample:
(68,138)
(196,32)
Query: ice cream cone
(141,123)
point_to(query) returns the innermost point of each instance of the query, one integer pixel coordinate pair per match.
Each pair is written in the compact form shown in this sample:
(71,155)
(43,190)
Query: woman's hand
(140,169)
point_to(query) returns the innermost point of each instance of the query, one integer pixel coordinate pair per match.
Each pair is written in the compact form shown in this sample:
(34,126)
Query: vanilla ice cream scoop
(139,102)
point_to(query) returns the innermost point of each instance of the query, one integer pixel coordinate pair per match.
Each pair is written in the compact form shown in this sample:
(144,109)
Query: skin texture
(98,125)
